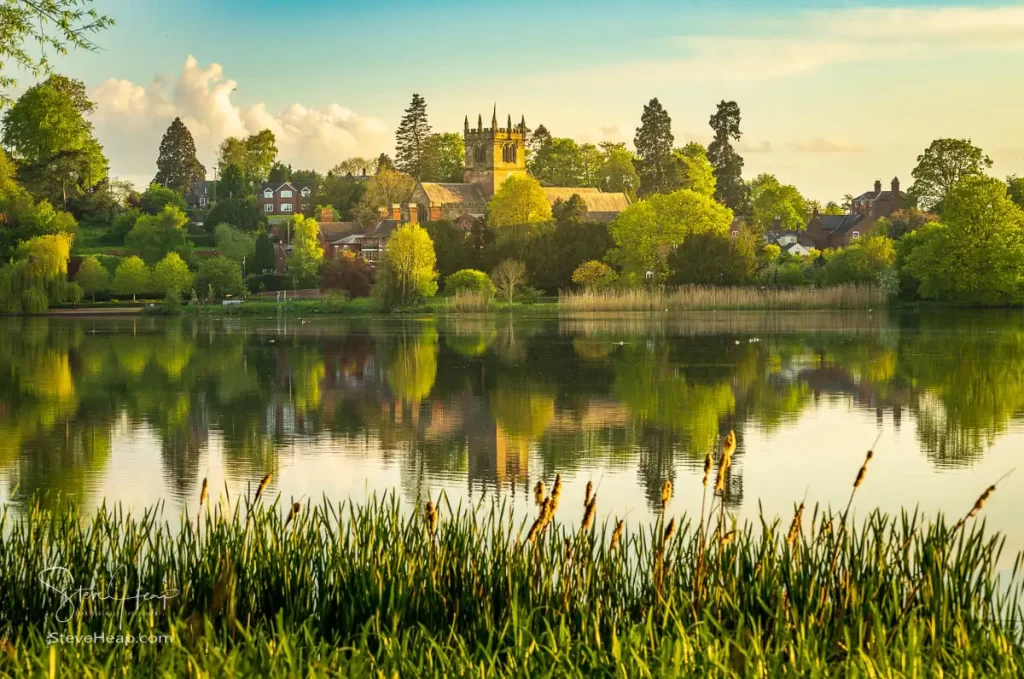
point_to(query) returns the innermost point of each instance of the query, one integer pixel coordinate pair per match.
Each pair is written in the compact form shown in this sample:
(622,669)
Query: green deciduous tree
(37,276)
(264,255)
(519,200)
(712,259)
(153,236)
(411,137)
(157,197)
(384,189)
(618,171)
(408,274)
(231,183)
(241,213)
(253,156)
(657,168)
(730,189)
(171,276)
(235,244)
(976,254)
(647,231)
(342,193)
(452,246)
(944,163)
(775,205)
(54,24)
(862,262)
(177,166)
(132,277)
(218,277)
(279,173)
(355,166)
(1015,190)
(594,275)
(307,254)
(92,277)
(900,223)
(469,280)
(696,172)
(444,158)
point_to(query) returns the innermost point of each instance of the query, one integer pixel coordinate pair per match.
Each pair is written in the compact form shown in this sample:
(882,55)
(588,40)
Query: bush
(469,280)
(218,277)
(268,282)
(712,259)
(156,198)
(350,273)
(241,213)
(593,275)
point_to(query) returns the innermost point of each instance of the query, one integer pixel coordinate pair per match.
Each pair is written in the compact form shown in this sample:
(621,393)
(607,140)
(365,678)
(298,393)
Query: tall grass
(696,297)
(469,300)
(371,590)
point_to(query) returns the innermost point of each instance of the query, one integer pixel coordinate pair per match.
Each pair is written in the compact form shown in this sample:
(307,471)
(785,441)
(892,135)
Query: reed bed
(698,297)
(341,589)
(469,300)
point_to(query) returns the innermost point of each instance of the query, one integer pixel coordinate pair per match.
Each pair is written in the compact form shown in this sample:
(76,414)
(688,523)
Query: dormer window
(305,192)
(285,193)
(268,193)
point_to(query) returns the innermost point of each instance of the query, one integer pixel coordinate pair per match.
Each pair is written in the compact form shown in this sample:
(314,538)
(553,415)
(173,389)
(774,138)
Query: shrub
(349,272)
(132,277)
(593,275)
(92,277)
(469,280)
(508,277)
(218,277)
(157,198)
(268,282)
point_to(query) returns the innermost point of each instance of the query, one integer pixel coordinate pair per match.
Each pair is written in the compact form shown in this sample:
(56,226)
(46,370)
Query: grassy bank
(696,298)
(369,590)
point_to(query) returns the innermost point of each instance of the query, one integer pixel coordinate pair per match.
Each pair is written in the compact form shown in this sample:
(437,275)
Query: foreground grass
(370,590)
(697,297)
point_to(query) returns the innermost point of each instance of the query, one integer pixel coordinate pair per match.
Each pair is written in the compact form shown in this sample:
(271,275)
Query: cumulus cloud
(820,145)
(751,146)
(130,119)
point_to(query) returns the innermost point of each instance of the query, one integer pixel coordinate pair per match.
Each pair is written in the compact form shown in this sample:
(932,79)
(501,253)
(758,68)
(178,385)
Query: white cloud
(820,145)
(815,39)
(745,145)
(130,120)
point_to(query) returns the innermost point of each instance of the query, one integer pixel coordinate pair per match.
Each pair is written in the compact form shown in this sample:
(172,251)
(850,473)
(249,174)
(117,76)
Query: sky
(833,95)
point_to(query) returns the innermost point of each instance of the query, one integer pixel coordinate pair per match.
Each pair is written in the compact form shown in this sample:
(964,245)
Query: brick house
(837,231)
(201,194)
(283,199)
(879,203)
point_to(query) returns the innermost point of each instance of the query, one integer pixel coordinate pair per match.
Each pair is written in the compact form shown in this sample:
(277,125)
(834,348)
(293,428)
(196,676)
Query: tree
(776,206)
(349,272)
(253,156)
(356,166)
(452,247)
(156,198)
(469,280)
(54,24)
(47,134)
(264,255)
(218,277)
(235,244)
(535,143)
(1015,190)
(560,162)
(647,231)
(241,213)
(730,189)
(862,262)
(408,274)
(696,172)
(519,200)
(975,255)
(900,223)
(279,173)
(384,162)
(711,259)
(154,236)
(171,276)
(444,158)
(508,277)
(343,193)
(656,167)
(618,171)
(411,137)
(132,277)
(231,183)
(177,166)
(92,277)
(307,253)
(384,189)
(37,275)
(594,275)
(944,163)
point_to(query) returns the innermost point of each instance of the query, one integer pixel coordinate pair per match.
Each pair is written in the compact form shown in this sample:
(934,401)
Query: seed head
(588,515)
(794,528)
(538,492)
(263,486)
(204,493)
(666,493)
(980,504)
(670,530)
(863,469)
(707,468)
(617,534)
(590,489)
(430,514)
(296,508)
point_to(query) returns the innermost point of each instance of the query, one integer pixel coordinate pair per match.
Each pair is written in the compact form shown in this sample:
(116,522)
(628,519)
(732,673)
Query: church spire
(509,122)
(479,123)
(467,124)
(494,118)
(522,124)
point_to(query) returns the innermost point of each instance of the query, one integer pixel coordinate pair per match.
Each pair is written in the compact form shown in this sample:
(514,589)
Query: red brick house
(879,203)
(283,199)
(837,231)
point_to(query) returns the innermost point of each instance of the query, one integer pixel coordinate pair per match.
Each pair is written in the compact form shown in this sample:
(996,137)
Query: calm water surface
(141,410)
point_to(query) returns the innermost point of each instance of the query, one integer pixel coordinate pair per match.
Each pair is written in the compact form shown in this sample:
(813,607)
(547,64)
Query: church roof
(600,206)
(447,194)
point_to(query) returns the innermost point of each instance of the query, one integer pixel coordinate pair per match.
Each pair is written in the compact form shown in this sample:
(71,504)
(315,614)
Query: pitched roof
(600,206)
(447,194)
(277,186)
(838,223)
(384,228)
(332,231)
(881,195)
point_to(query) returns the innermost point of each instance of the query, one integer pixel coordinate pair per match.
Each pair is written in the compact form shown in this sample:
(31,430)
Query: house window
(202,201)
(286,194)
(269,207)
(268,194)
(856,235)
(735,233)
(305,193)
(286,207)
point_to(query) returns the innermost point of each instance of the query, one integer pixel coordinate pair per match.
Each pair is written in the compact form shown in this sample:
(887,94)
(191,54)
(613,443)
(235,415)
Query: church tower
(493,154)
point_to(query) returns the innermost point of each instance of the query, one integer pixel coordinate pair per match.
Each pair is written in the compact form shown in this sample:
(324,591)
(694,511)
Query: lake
(140,410)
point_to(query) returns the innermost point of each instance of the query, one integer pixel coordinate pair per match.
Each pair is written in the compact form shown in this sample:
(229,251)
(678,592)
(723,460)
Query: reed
(369,589)
(697,298)
(469,300)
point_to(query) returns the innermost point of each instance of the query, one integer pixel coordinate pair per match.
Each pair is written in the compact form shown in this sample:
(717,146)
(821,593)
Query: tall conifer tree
(177,166)
(658,170)
(730,189)
(411,136)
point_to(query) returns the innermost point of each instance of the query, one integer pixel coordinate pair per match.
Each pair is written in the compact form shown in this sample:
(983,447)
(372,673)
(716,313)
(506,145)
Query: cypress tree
(177,165)
(410,138)
(730,189)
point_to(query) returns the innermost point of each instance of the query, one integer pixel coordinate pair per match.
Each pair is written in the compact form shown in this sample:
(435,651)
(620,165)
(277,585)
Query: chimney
(896,186)
(435,211)
(815,211)
(414,212)
(396,212)
(382,212)
(878,186)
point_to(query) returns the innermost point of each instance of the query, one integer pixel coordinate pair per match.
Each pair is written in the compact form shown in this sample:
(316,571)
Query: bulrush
(296,508)
(707,468)
(670,530)
(204,493)
(617,534)
(430,514)
(666,495)
(588,514)
(590,489)
(539,492)
(263,486)
(863,470)
(728,448)
(556,493)
(794,528)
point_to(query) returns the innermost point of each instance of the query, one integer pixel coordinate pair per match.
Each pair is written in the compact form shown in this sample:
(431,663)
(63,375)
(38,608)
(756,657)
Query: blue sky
(833,94)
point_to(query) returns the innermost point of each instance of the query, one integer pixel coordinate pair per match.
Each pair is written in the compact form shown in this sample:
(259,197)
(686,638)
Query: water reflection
(487,401)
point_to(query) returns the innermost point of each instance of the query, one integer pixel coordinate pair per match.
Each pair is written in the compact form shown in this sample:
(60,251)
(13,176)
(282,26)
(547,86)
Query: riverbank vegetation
(244,587)
(699,298)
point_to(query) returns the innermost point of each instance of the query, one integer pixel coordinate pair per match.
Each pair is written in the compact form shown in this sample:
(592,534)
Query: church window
(508,153)
(480,154)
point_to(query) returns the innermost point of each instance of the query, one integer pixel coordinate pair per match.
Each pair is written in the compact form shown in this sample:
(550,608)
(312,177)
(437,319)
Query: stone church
(493,154)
